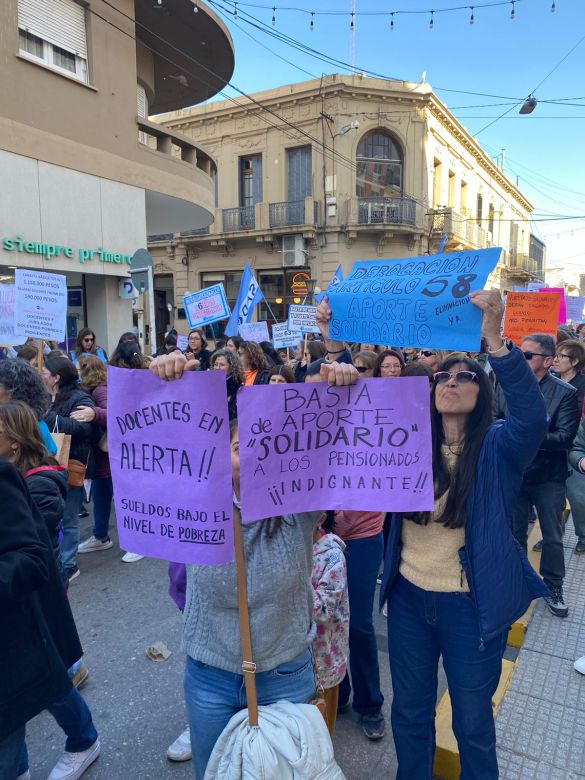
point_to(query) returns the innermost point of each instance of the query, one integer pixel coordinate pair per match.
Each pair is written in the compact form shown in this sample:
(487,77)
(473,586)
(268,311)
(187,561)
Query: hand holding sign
(412,302)
(490,303)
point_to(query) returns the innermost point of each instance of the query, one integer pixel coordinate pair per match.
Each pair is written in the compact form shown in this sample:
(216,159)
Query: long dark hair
(79,346)
(460,481)
(64,368)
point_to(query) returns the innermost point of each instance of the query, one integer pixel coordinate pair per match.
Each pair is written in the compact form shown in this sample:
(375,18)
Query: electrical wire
(260,105)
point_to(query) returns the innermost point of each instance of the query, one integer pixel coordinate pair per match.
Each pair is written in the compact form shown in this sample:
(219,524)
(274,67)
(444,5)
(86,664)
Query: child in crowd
(331,614)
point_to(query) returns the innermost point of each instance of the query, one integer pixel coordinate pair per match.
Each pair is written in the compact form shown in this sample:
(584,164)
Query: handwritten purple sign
(309,447)
(170,460)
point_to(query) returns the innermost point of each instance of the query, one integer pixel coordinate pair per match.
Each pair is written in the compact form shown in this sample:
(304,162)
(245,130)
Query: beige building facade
(85,175)
(323,172)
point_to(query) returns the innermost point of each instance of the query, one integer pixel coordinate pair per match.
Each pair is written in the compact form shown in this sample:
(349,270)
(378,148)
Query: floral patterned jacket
(330,610)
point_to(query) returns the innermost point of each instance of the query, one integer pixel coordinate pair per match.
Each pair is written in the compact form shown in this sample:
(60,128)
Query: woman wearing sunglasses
(86,345)
(432,357)
(455,579)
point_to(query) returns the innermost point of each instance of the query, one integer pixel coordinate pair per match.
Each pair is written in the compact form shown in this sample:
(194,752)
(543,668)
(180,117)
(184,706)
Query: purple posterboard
(170,459)
(311,446)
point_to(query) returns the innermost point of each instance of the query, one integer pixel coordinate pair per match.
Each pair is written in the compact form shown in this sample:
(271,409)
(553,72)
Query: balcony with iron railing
(238,219)
(386,211)
(459,228)
(520,264)
(286,213)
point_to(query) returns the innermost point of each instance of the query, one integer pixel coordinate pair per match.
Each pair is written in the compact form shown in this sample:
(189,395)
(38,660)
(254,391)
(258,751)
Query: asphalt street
(137,704)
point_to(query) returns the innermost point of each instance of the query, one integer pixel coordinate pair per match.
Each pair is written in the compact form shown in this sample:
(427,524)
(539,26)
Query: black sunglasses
(461,377)
(530,355)
(427,352)
(361,369)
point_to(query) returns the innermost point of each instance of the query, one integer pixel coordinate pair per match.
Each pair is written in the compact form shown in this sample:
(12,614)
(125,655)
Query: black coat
(550,463)
(58,419)
(232,393)
(39,638)
(48,488)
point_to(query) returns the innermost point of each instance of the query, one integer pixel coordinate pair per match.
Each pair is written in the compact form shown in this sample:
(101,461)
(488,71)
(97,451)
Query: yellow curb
(447,765)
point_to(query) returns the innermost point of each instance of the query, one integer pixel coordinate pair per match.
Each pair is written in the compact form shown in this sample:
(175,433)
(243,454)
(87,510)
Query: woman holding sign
(455,579)
(278,554)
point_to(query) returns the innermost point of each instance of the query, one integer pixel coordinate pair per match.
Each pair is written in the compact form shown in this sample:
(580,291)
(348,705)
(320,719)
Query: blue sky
(495,55)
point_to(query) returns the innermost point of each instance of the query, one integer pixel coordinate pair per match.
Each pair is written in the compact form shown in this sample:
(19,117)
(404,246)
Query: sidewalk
(541,723)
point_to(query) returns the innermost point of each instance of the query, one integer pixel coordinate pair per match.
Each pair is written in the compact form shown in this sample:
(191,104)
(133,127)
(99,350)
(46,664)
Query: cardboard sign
(182,342)
(254,331)
(562,308)
(302,318)
(575,305)
(283,338)
(415,302)
(205,306)
(40,305)
(527,313)
(170,459)
(308,447)
(8,337)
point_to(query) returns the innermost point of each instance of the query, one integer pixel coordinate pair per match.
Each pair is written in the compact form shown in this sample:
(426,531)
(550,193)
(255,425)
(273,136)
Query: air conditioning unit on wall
(293,251)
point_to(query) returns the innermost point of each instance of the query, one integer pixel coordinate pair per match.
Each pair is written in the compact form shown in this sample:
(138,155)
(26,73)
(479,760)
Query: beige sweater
(430,553)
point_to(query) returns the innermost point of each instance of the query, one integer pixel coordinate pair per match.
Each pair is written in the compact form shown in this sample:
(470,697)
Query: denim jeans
(576,496)
(363,558)
(74,717)
(549,499)
(102,494)
(70,527)
(213,696)
(10,748)
(423,625)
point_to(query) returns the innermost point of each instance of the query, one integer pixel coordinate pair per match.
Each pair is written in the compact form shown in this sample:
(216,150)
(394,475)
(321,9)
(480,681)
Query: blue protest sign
(205,306)
(413,302)
(283,338)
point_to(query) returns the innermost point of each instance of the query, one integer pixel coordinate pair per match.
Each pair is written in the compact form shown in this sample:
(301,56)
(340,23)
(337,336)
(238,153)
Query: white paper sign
(302,318)
(283,338)
(254,331)
(7,298)
(205,306)
(575,305)
(41,304)
(182,342)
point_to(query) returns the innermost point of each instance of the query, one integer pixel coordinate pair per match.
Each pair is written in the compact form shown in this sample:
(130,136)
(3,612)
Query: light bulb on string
(432,23)
(513,11)
(472,17)
(195,7)
(274,16)
(312,25)
(235,10)
(352,25)
(553,7)
(392,21)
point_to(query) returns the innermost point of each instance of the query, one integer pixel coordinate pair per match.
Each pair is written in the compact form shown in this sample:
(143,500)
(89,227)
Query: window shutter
(60,22)
(299,172)
(257,177)
(141,102)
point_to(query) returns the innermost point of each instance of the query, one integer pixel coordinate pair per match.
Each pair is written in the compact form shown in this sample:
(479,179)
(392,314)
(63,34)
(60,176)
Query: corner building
(85,176)
(335,170)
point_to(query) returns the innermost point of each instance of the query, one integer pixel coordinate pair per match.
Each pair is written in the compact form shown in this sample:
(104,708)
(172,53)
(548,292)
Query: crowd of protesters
(508,446)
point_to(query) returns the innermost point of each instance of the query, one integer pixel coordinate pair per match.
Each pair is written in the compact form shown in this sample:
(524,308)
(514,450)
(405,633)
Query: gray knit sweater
(280,599)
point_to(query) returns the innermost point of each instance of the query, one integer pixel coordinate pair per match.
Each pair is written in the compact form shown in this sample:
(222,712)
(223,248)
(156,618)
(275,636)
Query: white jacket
(290,743)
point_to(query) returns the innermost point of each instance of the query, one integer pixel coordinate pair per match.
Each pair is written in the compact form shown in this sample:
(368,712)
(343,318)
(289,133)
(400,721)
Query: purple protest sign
(170,459)
(309,447)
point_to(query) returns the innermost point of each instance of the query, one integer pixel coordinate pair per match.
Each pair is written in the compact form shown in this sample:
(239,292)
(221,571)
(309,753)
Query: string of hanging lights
(392,15)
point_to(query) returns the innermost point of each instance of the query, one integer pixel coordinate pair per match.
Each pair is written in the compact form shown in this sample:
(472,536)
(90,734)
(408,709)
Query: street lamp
(529,105)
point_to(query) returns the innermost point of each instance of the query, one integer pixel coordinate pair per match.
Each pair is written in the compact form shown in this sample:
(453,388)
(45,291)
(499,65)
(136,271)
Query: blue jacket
(502,582)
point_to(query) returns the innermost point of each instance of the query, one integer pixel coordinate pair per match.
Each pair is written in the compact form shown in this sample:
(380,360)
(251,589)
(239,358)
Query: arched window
(379,166)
